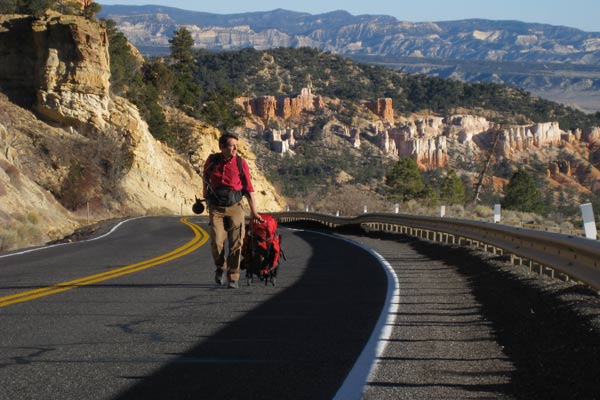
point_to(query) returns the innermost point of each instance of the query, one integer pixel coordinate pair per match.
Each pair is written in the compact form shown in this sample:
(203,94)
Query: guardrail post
(514,259)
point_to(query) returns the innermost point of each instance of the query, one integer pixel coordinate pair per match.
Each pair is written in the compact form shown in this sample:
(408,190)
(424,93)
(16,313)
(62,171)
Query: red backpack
(261,250)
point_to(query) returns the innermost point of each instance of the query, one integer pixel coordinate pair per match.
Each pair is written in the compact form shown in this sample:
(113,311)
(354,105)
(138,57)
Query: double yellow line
(200,237)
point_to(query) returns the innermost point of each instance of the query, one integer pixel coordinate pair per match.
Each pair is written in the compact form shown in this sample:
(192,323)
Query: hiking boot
(219,278)
(233,285)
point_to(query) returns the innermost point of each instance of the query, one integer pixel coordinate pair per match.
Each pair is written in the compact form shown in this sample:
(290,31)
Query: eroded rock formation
(526,137)
(383,108)
(57,64)
(269,107)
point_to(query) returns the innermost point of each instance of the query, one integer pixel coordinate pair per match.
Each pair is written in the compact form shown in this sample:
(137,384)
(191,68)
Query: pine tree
(405,180)
(452,190)
(184,69)
(521,194)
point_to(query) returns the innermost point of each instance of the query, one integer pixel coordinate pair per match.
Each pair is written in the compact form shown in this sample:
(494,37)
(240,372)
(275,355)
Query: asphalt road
(136,315)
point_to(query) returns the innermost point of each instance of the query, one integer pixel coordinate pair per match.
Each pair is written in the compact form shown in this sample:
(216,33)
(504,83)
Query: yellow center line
(200,238)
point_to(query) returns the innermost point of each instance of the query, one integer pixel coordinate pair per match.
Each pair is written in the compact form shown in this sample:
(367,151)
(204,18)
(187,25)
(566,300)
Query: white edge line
(114,228)
(366,363)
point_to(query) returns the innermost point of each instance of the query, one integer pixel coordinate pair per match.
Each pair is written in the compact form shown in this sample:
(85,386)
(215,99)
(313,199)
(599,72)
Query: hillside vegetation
(312,174)
(285,71)
(558,63)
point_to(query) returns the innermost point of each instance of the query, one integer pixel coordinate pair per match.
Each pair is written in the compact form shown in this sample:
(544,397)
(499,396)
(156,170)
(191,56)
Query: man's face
(230,148)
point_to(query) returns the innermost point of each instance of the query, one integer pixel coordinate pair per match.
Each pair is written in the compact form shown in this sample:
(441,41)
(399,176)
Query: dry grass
(24,230)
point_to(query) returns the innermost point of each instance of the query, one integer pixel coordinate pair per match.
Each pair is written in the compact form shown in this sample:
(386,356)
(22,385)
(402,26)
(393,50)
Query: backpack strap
(242,175)
(214,160)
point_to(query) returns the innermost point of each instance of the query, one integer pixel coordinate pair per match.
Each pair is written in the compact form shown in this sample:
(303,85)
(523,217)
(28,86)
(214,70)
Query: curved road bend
(166,331)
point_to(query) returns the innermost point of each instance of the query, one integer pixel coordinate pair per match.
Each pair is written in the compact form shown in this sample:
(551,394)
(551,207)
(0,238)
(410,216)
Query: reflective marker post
(589,224)
(496,213)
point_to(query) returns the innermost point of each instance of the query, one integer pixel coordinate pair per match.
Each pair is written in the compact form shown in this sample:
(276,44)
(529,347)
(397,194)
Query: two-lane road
(136,315)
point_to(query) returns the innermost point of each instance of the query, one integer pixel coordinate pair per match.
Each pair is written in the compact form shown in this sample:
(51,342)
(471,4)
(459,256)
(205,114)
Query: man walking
(226,182)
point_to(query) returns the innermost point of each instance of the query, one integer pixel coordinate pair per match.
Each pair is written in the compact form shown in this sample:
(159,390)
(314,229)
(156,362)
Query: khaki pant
(227,223)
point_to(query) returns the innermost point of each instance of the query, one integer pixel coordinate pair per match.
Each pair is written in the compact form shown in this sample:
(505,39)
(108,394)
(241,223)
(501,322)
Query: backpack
(224,196)
(261,249)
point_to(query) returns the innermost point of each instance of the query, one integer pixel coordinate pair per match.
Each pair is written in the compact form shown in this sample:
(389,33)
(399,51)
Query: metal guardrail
(573,256)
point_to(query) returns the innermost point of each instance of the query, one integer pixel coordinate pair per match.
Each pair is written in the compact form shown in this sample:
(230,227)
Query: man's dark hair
(225,136)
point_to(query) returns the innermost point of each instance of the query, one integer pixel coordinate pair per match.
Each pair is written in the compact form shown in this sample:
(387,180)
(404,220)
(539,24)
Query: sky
(580,14)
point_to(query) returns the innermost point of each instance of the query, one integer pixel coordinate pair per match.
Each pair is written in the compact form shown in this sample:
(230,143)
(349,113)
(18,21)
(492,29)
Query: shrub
(79,185)
(12,172)
(23,230)
(483,212)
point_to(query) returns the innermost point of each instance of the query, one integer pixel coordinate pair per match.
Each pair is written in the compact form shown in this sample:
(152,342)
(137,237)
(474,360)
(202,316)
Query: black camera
(198,207)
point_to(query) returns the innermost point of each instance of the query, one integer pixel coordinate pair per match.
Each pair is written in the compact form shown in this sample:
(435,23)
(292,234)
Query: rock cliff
(84,146)
(58,65)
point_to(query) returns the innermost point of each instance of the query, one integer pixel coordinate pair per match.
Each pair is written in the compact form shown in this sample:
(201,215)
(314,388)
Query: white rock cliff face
(426,139)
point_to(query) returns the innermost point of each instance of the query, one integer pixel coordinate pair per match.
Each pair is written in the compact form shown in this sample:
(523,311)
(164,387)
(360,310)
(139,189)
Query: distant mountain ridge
(343,33)
(384,39)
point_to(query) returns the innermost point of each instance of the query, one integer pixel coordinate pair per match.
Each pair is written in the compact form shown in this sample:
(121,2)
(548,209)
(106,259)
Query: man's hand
(257,218)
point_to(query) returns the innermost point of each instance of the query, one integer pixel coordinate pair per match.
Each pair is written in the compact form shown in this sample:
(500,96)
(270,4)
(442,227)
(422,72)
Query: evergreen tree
(404,180)
(186,90)
(521,194)
(122,75)
(452,190)
(38,7)
(68,7)
(33,7)
(127,80)
(8,6)
(219,109)
(91,10)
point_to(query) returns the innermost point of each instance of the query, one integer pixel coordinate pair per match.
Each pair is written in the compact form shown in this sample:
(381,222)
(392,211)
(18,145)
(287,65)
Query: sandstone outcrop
(426,139)
(521,138)
(430,151)
(269,107)
(263,107)
(59,66)
(591,135)
(383,108)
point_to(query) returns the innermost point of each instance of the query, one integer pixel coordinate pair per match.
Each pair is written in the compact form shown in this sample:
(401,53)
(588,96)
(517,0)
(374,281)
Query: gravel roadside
(470,325)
